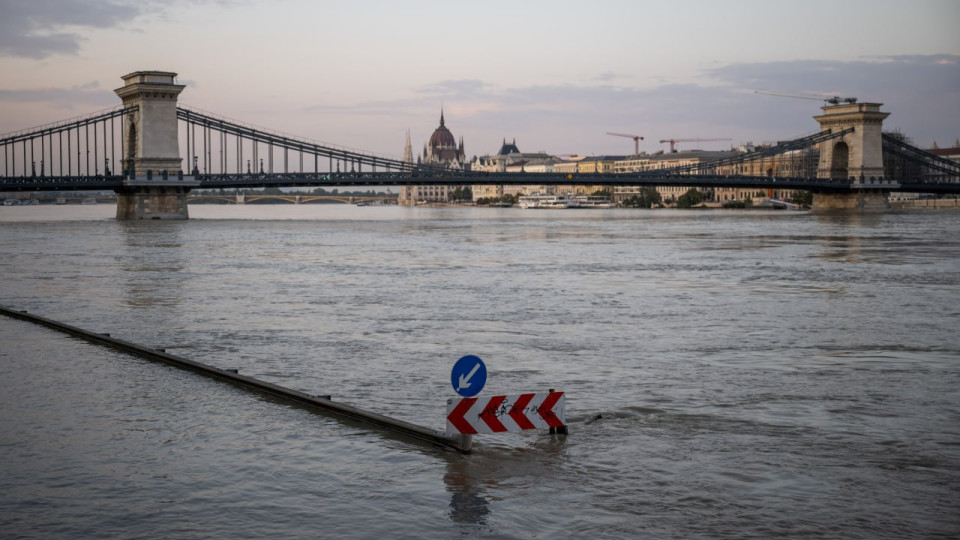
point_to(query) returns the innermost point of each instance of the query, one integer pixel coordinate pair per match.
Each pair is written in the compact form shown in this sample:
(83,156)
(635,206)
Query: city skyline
(553,76)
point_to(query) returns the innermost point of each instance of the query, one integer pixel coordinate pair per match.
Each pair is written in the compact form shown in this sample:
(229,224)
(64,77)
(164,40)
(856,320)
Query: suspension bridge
(133,149)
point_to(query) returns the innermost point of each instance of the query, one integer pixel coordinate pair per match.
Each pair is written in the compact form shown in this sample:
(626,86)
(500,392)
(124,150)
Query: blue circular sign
(468,376)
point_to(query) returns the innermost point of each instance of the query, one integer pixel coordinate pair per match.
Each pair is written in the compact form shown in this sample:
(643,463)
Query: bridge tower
(856,157)
(154,185)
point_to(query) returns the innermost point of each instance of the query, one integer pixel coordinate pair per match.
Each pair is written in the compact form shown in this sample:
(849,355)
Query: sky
(554,76)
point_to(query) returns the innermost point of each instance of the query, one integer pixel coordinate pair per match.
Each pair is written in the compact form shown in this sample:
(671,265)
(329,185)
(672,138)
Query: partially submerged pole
(322,403)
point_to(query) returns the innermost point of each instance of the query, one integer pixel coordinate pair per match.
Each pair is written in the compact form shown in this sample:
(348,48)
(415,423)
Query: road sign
(470,416)
(468,376)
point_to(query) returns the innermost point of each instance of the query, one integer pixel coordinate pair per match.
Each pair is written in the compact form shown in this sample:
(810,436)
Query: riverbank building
(441,150)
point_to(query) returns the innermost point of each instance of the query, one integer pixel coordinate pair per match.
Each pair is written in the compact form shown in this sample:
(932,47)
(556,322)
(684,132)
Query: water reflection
(848,249)
(152,263)
(467,505)
(470,479)
(846,220)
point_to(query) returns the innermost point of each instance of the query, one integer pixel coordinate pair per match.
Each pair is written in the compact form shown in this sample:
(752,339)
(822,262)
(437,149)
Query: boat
(590,201)
(543,201)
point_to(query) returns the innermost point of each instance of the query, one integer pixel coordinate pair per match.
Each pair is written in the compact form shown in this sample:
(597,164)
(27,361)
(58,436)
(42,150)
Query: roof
(602,158)
(508,148)
(442,138)
(945,152)
(692,154)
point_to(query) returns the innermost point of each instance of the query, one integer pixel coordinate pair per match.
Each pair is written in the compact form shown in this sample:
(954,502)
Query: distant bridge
(134,150)
(249,198)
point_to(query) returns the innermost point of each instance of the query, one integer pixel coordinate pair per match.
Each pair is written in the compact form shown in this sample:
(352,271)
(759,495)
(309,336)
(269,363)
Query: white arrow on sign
(465,379)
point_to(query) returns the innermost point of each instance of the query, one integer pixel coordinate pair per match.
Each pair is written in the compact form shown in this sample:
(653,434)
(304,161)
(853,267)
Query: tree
(646,198)
(462,194)
(690,199)
(650,196)
(802,198)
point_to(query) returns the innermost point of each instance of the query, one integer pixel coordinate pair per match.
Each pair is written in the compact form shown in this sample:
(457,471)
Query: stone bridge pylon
(857,157)
(154,184)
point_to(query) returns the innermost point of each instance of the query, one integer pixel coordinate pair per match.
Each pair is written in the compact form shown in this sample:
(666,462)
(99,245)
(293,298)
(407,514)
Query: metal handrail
(64,125)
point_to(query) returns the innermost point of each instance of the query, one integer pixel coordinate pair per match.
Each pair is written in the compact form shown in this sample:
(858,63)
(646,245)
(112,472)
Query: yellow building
(509,159)
(799,163)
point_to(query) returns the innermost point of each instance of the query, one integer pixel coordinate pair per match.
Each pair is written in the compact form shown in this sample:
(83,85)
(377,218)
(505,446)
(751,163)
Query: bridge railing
(908,163)
(88,146)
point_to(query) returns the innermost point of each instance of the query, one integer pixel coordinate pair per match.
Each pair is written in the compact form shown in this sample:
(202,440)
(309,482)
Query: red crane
(673,142)
(636,140)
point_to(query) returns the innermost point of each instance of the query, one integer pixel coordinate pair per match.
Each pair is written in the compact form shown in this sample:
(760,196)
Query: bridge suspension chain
(781,148)
(921,158)
(64,149)
(252,139)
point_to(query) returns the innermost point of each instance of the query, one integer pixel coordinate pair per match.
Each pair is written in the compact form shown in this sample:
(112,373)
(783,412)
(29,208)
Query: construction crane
(636,140)
(673,142)
(833,100)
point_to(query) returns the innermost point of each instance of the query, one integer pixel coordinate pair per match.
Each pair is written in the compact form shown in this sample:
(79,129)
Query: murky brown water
(759,375)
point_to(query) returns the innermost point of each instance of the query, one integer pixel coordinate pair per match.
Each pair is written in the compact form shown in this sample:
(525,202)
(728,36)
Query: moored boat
(590,201)
(543,201)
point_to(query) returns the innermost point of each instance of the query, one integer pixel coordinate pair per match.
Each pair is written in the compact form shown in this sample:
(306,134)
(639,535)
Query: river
(728,374)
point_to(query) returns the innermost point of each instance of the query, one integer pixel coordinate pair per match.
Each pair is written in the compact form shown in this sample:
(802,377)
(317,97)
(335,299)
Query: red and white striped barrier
(497,414)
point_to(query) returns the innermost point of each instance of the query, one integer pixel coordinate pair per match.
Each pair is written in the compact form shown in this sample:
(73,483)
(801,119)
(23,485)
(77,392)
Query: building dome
(442,138)
(443,149)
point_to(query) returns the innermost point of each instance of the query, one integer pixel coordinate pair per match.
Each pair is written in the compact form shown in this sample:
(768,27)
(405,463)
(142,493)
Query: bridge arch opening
(840,162)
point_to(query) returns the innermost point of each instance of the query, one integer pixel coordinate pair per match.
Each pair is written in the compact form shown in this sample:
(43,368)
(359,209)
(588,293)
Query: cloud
(40,28)
(871,79)
(455,88)
(83,95)
(921,92)
(37,29)
(607,76)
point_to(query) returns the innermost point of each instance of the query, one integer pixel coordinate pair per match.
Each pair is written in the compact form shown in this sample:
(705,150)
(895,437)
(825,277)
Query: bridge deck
(118,183)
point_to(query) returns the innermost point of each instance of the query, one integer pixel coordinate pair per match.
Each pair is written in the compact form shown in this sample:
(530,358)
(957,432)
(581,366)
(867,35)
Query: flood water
(727,374)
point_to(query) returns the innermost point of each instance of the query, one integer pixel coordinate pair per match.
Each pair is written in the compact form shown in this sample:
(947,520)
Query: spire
(408,150)
(441,116)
